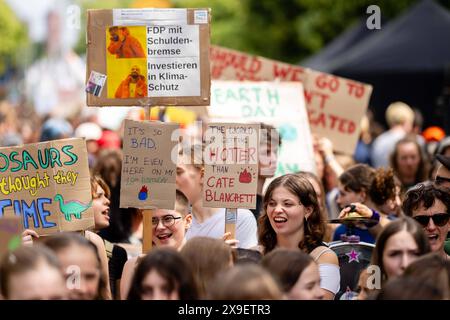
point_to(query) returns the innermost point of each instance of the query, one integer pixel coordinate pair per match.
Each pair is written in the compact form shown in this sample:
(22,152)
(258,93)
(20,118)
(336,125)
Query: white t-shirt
(214,227)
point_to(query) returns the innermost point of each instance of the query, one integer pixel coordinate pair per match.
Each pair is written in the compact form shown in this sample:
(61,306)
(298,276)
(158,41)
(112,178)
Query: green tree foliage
(80,48)
(14,38)
(288,30)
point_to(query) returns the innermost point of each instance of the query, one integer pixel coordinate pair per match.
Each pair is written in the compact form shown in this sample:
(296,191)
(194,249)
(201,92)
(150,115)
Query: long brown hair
(23,260)
(65,240)
(171,266)
(314,227)
(422,170)
(404,223)
(207,258)
(286,266)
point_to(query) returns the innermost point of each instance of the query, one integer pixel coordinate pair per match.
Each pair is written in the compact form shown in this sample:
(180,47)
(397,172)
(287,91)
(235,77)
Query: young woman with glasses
(169,229)
(429,205)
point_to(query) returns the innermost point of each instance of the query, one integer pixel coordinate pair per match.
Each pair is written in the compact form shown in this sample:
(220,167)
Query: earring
(306,224)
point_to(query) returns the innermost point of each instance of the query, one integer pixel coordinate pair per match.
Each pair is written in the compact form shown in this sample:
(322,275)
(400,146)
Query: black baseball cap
(444,160)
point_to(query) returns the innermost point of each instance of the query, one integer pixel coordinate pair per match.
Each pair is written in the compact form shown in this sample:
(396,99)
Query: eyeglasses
(439,219)
(167,221)
(441,180)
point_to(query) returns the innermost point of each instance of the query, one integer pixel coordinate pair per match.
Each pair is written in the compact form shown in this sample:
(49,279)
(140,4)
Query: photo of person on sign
(123,45)
(133,86)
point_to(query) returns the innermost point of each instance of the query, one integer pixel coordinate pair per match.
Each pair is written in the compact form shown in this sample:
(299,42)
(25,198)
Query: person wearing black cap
(442,177)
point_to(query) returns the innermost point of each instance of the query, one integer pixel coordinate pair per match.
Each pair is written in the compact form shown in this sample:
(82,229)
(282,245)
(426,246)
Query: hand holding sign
(27,237)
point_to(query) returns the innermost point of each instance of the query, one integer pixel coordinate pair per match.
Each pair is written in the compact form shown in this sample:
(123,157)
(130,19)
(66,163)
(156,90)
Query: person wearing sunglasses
(442,177)
(429,205)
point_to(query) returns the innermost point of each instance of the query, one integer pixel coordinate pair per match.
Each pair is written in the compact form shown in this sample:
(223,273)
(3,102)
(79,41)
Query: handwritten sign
(335,105)
(279,104)
(231,165)
(227,64)
(335,108)
(10,234)
(48,185)
(149,165)
(150,56)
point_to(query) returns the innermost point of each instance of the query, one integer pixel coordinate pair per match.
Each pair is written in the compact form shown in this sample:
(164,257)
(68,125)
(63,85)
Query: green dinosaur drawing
(14,243)
(69,208)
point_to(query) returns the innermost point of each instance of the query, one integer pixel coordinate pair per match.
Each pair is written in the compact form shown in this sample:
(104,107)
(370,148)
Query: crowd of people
(396,183)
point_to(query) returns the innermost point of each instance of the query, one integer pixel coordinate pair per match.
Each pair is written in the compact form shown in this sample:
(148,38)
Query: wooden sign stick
(147,231)
(230,221)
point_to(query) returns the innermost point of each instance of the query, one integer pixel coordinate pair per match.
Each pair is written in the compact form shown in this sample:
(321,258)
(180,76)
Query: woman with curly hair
(370,193)
(386,193)
(292,220)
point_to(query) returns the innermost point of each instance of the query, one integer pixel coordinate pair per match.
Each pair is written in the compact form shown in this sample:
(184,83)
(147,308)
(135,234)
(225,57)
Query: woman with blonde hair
(208,258)
(246,282)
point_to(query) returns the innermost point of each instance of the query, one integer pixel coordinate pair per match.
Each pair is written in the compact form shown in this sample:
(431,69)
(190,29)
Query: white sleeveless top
(330,277)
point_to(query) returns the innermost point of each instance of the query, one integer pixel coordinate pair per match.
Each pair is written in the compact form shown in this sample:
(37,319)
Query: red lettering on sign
(355,89)
(286,72)
(322,97)
(326,81)
(331,121)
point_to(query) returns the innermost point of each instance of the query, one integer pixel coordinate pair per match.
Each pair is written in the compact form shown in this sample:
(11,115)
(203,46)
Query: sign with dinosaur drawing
(48,185)
(231,165)
(149,165)
(10,234)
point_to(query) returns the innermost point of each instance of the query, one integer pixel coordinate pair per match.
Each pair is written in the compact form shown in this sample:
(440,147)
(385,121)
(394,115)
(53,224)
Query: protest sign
(148,57)
(231,165)
(227,64)
(10,234)
(280,104)
(48,185)
(335,108)
(335,105)
(148,170)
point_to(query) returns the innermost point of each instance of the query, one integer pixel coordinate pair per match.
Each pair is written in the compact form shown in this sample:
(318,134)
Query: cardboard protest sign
(48,185)
(148,57)
(280,104)
(10,234)
(335,108)
(335,105)
(231,165)
(227,64)
(149,165)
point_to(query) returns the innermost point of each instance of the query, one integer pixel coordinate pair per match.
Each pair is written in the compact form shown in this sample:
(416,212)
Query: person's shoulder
(324,255)
(245,212)
(119,250)
(131,262)
(246,216)
(93,237)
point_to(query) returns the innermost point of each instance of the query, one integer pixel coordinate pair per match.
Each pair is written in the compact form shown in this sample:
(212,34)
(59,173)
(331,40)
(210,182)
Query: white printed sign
(280,104)
(173,61)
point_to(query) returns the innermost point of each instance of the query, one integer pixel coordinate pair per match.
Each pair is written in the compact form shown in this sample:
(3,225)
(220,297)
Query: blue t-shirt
(364,235)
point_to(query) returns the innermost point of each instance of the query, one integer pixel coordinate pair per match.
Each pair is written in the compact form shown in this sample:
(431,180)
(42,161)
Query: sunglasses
(441,180)
(439,219)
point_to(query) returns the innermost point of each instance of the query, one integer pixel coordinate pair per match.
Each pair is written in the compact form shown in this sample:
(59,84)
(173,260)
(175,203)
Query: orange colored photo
(123,45)
(133,86)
